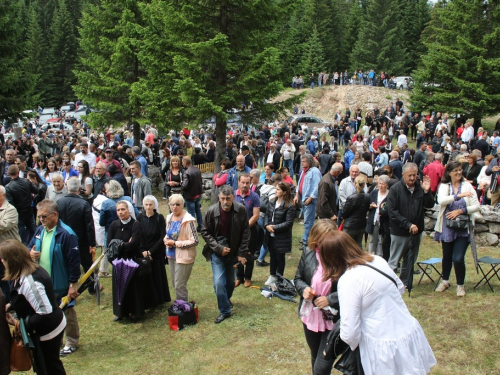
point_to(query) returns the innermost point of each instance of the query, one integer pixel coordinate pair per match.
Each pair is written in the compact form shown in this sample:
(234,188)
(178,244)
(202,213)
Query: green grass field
(265,336)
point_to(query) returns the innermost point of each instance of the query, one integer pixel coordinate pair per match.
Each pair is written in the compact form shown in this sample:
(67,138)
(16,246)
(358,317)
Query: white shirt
(90,158)
(468,134)
(375,317)
(402,140)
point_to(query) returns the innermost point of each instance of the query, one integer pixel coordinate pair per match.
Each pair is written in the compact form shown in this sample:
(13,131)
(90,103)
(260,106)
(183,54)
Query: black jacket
(354,211)
(19,192)
(99,184)
(303,277)
(326,207)
(471,173)
(240,231)
(76,213)
(406,208)
(192,183)
(282,219)
(276,159)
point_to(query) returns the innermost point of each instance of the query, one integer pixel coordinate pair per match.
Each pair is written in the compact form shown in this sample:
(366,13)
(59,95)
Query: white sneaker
(460,291)
(272,279)
(442,286)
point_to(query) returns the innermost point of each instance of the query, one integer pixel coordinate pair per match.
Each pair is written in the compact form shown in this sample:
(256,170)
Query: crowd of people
(358,77)
(348,175)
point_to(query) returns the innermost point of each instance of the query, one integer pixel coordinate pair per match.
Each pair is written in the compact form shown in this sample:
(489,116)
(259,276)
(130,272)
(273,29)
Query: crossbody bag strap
(381,272)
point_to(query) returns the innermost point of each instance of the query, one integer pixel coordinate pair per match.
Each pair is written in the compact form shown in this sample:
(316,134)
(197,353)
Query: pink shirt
(315,321)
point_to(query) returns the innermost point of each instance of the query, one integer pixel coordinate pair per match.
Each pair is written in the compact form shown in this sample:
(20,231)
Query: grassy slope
(265,336)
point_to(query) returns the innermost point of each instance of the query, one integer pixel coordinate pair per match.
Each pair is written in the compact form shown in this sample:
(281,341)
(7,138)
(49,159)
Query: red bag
(180,320)
(341,226)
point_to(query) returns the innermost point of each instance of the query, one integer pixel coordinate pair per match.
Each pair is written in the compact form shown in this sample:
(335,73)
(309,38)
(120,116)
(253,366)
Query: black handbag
(144,266)
(350,363)
(460,222)
(334,345)
(114,249)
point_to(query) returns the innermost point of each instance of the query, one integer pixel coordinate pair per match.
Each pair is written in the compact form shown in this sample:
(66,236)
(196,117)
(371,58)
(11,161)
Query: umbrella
(28,343)
(410,265)
(84,281)
(124,270)
(473,247)
(97,287)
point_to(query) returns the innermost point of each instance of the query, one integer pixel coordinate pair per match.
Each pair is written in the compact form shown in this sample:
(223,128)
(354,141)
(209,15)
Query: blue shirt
(144,165)
(249,201)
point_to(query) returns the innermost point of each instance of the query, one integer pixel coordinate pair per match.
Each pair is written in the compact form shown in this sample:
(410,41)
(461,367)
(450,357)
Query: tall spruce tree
(354,19)
(221,58)
(377,46)
(109,66)
(460,71)
(15,82)
(313,56)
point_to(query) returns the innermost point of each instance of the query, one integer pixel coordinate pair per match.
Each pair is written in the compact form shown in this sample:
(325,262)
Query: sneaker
(262,264)
(104,274)
(460,291)
(272,279)
(67,350)
(164,198)
(442,286)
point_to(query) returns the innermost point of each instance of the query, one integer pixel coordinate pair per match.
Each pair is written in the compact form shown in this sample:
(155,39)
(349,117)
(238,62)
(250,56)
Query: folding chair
(495,268)
(430,265)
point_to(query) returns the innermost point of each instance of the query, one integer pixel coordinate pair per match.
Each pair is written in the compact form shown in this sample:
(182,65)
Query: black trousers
(277,264)
(47,356)
(316,342)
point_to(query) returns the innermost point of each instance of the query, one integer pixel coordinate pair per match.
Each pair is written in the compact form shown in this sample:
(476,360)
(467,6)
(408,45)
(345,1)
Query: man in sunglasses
(55,247)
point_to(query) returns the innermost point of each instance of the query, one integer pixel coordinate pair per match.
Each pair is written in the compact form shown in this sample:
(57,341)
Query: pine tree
(460,71)
(109,66)
(351,31)
(15,82)
(35,51)
(313,60)
(221,58)
(377,45)
(62,57)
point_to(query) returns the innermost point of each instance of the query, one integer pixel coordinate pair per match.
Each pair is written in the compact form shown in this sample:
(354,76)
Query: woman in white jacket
(456,197)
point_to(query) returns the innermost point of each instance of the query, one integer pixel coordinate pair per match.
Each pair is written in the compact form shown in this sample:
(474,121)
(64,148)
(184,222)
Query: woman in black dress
(130,232)
(153,232)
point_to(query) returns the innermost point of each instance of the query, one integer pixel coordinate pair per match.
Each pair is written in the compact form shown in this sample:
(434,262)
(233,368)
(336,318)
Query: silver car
(310,120)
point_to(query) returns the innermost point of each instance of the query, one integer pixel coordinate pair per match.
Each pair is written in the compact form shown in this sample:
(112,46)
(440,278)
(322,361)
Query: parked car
(310,120)
(68,107)
(44,118)
(403,82)
(49,111)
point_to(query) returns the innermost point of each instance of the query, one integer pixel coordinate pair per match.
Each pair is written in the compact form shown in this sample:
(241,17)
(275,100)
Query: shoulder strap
(381,272)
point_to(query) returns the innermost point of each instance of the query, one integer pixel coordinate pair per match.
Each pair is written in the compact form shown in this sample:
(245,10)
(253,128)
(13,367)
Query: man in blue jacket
(307,192)
(55,247)
(236,171)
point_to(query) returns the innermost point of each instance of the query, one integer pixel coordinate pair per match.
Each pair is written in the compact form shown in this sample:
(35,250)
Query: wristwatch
(71,285)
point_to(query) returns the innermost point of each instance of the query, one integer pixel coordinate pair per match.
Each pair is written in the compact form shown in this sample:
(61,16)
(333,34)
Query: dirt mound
(326,101)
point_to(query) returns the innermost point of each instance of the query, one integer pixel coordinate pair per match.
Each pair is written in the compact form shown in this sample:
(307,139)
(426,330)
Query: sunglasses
(43,217)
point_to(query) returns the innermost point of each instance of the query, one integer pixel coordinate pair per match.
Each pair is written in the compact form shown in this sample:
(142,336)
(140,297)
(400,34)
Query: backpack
(264,200)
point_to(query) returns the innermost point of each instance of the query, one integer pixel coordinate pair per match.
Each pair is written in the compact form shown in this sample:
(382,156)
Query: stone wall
(487,225)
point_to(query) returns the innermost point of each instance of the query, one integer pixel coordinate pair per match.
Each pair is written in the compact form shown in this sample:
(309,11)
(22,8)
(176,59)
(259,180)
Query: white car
(402,82)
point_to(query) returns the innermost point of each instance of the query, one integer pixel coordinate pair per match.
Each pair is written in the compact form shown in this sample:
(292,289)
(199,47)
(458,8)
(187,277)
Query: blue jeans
(309,214)
(261,160)
(223,279)
(312,85)
(264,249)
(289,164)
(194,208)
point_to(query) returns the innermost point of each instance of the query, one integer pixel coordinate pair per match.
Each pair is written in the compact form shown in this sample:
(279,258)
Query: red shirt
(435,171)
(302,178)
(377,143)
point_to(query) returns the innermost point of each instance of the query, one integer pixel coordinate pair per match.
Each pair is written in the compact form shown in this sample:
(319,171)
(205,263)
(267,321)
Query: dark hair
(226,163)
(366,156)
(381,149)
(36,176)
(338,252)
(447,170)
(270,165)
(287,193)
(112,169)
(86,170)
(21,158)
